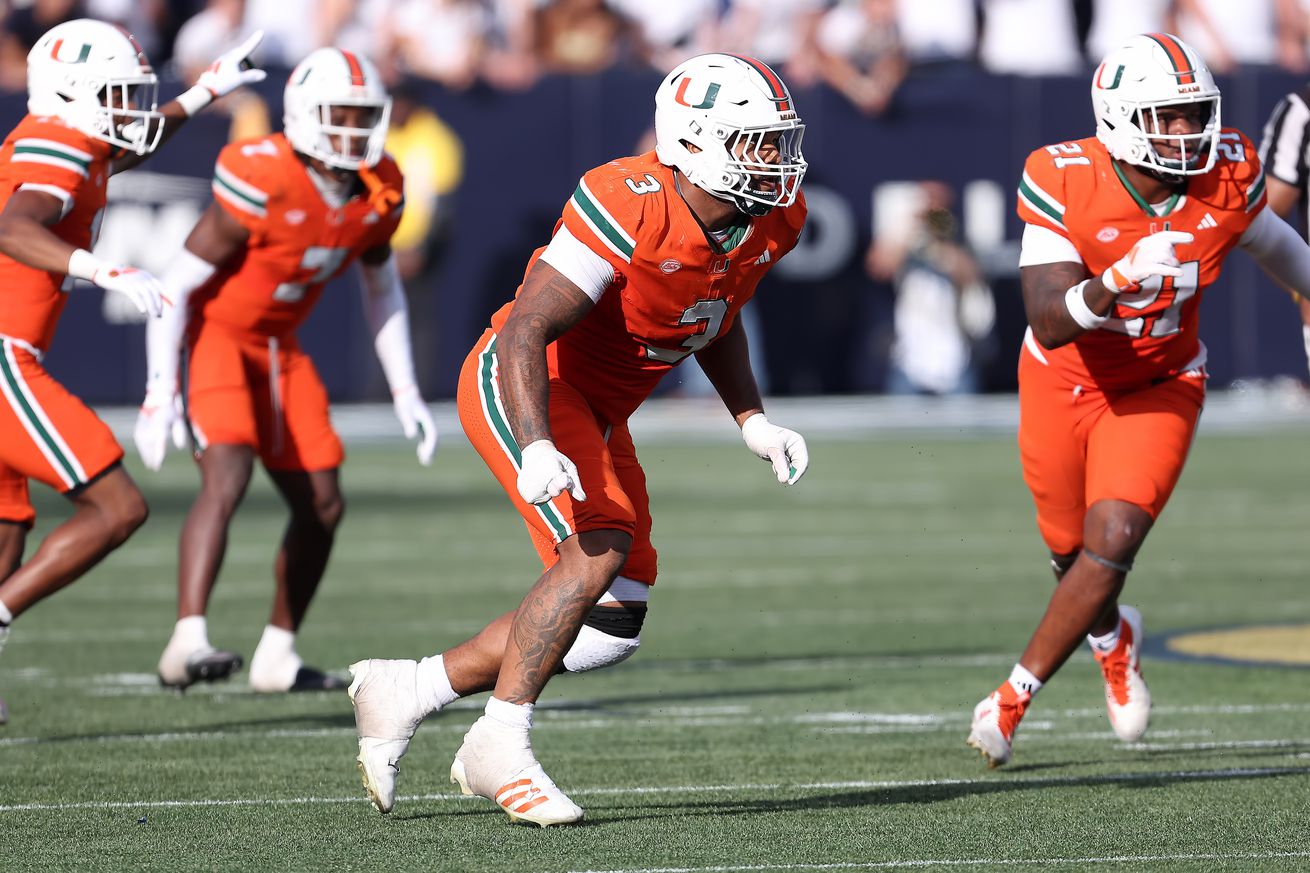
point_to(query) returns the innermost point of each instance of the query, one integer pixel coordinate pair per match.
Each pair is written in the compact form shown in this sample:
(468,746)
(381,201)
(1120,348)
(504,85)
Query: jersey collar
(1169,206)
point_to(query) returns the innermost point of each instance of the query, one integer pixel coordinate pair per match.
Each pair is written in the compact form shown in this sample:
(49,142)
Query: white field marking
(963,862)
(759,787)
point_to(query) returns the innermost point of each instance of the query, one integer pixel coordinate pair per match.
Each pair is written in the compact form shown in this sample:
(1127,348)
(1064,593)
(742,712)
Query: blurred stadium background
(919,117)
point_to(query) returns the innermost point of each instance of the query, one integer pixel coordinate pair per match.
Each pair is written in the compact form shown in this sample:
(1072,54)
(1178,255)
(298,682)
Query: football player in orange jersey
(92,112)
(290,212)
(1123,232)
(650,263)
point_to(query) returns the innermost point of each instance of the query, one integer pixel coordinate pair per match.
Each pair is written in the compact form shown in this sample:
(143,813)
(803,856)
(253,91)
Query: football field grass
(800,701)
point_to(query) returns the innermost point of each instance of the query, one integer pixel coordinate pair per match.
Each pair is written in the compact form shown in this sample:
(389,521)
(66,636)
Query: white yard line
(967,862)
(758,787)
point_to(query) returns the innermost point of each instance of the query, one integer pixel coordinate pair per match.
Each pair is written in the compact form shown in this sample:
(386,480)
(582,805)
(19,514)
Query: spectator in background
(294,28)
(439,40)
(1113,21)
(1230,34)
(779,32)
(141,18)
(431,158)
(207,34)
(938,33)
(23,26)
(944,311)
(580,37)
(511,60)
(670,31)
(860,53)
(1029,38)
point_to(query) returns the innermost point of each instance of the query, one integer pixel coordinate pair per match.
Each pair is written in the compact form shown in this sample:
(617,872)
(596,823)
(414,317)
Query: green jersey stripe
(1253,195)
(603,223)
(225,190)
(1038,204)
(240,186)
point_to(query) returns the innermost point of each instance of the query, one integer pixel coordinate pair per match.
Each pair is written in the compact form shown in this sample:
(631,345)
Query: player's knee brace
(610,635)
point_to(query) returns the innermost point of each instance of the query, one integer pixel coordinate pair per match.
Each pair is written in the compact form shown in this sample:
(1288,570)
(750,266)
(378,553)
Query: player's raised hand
(138,286)
(416,421)
(783,448)
(233,68)
(545,472)
(1151,256)
(159,419)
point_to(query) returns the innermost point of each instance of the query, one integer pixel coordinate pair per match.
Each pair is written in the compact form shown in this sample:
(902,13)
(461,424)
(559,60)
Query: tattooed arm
(546,308)
(1044,290)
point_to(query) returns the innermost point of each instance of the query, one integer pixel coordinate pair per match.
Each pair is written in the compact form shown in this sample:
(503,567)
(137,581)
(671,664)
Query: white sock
(1021,680)
(1107,643)
(433,683)
(190,634)
(512,715)
(275,662)
(6,617)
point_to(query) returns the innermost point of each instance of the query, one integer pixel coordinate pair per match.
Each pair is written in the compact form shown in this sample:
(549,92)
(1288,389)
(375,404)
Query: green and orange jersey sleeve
(247,176)
(1043,194)
(604,216)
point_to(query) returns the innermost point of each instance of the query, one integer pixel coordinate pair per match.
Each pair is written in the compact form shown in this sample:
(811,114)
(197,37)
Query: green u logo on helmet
(711,94)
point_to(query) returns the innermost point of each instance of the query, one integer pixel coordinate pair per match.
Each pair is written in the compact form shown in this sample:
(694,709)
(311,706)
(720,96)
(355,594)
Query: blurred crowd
(862,48)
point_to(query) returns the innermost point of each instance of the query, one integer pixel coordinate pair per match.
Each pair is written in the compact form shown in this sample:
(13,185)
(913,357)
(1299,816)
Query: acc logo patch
(295,216)
(1107,234)
(670,266)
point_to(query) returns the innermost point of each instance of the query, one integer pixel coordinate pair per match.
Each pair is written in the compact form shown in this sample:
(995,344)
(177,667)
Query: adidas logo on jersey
(1207,222)
(763,259)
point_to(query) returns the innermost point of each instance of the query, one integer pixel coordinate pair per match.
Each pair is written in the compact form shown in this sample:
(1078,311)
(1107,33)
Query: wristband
(83,265)
(194,99)
(1076,303)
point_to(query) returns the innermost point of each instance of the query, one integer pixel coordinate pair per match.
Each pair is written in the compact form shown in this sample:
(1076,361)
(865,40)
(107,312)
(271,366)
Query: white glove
(159,419)
(545,473)
(138,286)
(785,449)
(233,69)
(416,421)
(1152,256)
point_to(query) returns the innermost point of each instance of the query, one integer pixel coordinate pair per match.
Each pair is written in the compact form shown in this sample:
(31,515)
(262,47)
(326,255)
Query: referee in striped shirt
(1285,154)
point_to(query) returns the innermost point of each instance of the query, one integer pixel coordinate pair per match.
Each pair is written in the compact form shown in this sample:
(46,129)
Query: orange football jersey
(46,155)
(298,241)
(1075,189)
(673,292)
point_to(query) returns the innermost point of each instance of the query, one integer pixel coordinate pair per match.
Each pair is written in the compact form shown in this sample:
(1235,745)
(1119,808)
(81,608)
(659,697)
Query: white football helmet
(333,77)
(95,77)
(735,110)
(1146,73)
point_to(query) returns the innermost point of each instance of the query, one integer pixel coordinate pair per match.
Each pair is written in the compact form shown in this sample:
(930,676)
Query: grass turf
(801,697)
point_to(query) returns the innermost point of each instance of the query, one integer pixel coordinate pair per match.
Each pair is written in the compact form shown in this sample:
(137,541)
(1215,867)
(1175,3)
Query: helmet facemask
(764,167)
(346,146)
(129,114)
(1196,152)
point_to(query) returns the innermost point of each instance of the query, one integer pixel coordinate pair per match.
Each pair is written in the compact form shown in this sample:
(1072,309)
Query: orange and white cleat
(1127,699)
(497,763)
(995,720)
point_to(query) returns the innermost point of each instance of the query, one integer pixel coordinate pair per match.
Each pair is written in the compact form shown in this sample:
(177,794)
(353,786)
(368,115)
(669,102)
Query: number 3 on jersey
(710,311)
(324,261)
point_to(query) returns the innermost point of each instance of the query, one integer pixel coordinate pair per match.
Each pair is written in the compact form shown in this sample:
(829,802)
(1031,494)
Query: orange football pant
(46,434)
(263,392)
(1079,445)
(604,454)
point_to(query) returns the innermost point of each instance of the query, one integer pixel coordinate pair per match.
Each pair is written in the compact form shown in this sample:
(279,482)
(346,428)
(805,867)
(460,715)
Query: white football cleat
(387,713)
(179,667)
(1127,699)
(497,763)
